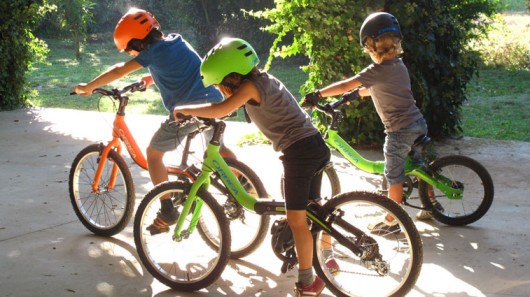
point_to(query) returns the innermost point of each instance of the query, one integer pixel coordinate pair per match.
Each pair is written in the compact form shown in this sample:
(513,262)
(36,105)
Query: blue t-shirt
(175,68)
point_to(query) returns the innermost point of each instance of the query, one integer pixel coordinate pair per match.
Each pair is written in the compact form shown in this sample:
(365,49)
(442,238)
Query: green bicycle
(386,263)
(456,189)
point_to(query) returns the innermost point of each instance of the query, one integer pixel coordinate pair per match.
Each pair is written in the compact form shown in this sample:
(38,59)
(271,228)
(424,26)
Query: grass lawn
(498,105)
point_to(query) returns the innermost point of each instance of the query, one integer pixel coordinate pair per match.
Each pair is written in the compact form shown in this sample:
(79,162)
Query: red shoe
(333,267)
(312,290)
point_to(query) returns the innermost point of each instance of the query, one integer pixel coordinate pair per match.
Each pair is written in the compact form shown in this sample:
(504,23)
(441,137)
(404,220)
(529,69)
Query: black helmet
(377,24)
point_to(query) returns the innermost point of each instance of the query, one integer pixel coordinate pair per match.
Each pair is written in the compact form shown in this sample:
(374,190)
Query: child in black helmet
(387,82)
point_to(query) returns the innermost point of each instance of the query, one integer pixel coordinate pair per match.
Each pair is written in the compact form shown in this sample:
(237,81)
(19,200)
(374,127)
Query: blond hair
(384,47)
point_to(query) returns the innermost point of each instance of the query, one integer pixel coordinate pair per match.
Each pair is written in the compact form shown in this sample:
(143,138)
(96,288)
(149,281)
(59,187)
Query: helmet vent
(249,53)
(241,46)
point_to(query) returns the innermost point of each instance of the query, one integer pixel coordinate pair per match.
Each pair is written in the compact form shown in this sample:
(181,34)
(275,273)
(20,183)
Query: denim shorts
(301,161)
(169,135)
(397,147)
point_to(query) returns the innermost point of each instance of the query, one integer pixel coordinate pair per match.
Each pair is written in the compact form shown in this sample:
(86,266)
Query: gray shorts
(169,135)
(397,147)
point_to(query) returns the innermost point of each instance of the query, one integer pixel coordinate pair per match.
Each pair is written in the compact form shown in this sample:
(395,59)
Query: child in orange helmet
(173,66)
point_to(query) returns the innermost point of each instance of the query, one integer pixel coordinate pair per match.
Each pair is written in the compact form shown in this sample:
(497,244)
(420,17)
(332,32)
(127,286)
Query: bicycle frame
(334,140)
(214,163)
(121,133)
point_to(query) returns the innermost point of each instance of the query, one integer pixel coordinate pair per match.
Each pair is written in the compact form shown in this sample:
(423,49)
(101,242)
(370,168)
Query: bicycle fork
(191,201)
(103,156)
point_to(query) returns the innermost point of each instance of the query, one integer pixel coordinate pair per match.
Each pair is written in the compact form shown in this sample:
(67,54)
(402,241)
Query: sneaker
(311,290)
(162,222)
(333,266)
(424,215)
(384,227)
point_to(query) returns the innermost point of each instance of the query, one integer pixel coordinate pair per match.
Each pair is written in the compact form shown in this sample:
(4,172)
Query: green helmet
(229,55)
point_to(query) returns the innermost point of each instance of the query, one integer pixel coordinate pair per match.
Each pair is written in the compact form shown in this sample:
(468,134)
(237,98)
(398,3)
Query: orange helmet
(135,24)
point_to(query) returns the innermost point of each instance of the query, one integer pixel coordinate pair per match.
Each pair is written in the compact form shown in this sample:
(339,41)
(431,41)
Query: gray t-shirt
(278,116)
(389,86)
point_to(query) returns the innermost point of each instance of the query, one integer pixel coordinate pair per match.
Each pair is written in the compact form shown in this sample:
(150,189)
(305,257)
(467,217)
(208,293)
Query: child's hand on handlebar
(180,116)
(147,79)
(82,89)
(311,99)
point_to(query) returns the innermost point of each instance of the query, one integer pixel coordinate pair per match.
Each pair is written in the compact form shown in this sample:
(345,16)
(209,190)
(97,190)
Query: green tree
(19,49)
(436,34)
(74,17)
(204,22)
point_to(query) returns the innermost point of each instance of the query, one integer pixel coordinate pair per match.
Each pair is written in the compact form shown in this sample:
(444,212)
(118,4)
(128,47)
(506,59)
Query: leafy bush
(436,34)
(507,44)
(19,48)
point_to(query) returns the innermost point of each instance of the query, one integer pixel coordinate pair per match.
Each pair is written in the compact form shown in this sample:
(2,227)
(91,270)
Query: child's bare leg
(395,192)
(303,240)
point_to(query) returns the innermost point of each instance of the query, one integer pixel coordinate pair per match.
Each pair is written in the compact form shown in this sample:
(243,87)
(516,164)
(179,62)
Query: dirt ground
(45,250)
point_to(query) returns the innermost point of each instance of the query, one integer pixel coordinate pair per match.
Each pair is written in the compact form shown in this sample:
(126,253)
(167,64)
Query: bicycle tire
(190,263)
(248,229)
(401,253)
(105,213)
(330,183)
(478,188)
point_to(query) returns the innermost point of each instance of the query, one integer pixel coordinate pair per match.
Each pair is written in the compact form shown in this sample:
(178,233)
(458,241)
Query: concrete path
(45,251)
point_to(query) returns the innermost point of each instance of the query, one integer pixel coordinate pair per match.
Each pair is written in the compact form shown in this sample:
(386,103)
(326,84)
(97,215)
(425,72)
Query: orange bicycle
(102,189)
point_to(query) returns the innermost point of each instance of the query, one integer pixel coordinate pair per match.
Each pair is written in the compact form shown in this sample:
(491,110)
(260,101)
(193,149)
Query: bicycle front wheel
(187,263)
(467,175)
(390,261)
(107,211)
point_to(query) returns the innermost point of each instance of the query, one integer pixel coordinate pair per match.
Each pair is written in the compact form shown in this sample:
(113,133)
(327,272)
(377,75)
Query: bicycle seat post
(187,145)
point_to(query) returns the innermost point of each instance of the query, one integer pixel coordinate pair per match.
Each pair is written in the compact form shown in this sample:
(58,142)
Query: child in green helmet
(231,66)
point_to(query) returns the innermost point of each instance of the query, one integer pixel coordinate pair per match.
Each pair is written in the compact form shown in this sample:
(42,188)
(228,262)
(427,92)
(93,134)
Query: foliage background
(436,37)
(19,49)
(202,22)
(505,53)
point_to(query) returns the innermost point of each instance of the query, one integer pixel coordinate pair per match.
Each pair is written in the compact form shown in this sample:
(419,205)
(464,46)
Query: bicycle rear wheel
(390,262)
(189,263)
(108,211)
(463,173)
(248,228)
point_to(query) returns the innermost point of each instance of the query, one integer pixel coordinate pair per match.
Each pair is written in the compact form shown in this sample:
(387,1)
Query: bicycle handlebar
(329,108)
(116,93)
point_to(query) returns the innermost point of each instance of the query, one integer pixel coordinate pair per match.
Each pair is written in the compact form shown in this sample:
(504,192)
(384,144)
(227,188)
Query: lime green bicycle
(189,257)
(456,189)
